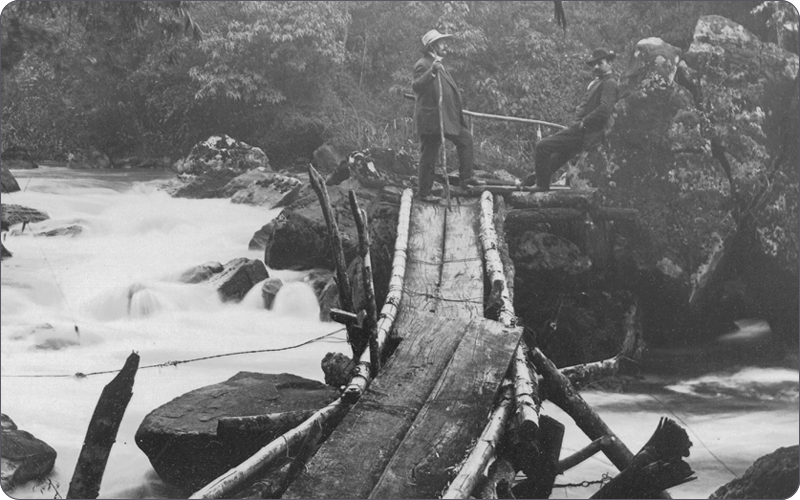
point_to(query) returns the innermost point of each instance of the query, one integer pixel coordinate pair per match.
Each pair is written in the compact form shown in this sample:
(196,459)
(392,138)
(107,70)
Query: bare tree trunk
(371,319)
(102,432)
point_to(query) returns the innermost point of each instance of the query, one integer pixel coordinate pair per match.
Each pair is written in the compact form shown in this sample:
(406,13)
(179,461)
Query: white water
(133,235)
(136,236)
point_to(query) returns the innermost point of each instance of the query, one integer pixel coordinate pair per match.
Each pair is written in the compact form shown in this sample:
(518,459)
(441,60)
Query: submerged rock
(22,456)
(180,438)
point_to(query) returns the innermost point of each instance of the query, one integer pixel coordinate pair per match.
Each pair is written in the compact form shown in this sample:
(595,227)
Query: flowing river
(66,310)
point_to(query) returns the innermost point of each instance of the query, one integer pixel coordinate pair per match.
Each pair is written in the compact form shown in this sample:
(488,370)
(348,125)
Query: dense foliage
(153,78)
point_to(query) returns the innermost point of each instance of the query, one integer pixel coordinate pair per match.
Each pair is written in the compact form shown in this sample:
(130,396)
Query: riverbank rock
(4,252)
(262,188)
(237,277)
(221,152)
(8,183)
(17,214)
(699,132)
(22,456)
(88,159)
(776,475)
(180,438)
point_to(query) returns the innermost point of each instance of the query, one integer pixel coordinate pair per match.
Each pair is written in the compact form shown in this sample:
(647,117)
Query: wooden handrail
(501,117)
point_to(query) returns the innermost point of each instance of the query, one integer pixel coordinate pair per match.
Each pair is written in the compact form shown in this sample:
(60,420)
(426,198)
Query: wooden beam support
(362,372)
(342,281)
(583,454)
(370,324)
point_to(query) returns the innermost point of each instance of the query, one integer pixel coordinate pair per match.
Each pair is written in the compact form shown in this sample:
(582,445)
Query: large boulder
(23,457)
(237,278)
(687,128)
(180,438)
(262,188)
(221,153)
(776,475)
(298,237)
(17,214)
(8,184)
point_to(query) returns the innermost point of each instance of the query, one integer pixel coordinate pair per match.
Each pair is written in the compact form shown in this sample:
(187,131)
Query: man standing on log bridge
(432,109)
(588,127)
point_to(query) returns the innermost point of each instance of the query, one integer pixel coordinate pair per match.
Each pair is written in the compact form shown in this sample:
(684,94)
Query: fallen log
(370,322)
(499,298)
(657,467)
(235,479)
(560,391)
(355,339)
(362,373)
(500,213)
(484,450)
(275,423)
(102,432)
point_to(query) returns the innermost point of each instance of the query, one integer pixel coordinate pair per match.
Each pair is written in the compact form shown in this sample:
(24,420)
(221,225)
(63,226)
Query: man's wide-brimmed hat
(431,36)
(598,54)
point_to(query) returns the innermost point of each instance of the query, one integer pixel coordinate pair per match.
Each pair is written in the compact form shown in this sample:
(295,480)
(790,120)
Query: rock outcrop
(776,475)
(180,438)
(22,456)
(8,184)
(704,145)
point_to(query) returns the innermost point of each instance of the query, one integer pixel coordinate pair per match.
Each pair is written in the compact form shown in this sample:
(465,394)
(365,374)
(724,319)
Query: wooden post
(235,478)
(656,467)
(551,437)
(370,324)
(362,373)
(102,432)
(526,396)
(342,281)
(485,449)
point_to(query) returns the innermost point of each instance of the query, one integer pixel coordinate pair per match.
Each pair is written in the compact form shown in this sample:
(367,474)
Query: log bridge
(445,398)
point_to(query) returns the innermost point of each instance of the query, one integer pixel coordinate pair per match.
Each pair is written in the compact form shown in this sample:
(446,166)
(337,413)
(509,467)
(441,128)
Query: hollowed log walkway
(421,415)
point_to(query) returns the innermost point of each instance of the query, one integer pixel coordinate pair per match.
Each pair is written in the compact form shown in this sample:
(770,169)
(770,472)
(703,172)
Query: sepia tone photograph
(399,249)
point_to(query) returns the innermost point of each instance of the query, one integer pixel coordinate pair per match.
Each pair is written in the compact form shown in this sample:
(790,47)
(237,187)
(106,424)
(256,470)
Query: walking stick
(444,149)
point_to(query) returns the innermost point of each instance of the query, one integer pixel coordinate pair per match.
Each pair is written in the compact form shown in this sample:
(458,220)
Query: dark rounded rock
(180,438)
(23,456)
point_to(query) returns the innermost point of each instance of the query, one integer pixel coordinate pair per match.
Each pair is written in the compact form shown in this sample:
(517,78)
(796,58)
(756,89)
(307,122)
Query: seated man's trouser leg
(553,151)
(430,151)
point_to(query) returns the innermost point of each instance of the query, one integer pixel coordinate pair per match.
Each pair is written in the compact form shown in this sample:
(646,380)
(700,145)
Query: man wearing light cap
(588,125)
(429,76)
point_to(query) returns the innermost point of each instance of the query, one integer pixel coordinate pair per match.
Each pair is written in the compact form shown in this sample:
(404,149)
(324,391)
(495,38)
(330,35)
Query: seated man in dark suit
(587,128)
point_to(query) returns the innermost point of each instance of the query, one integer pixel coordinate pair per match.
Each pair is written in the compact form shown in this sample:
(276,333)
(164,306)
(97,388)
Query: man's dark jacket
(426,105)
(596,108)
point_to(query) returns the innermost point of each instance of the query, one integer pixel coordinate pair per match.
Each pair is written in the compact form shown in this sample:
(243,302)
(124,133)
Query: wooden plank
(461,290)
(350,462)
(453,415)
(423,267)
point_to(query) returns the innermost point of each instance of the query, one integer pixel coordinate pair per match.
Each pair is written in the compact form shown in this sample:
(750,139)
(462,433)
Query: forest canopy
(153,78)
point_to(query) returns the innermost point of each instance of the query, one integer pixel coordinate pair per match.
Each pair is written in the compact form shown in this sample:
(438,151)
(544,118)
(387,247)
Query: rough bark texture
(102,432)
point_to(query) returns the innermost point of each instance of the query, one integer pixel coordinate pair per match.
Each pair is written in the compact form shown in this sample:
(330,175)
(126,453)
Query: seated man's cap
(598,54)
